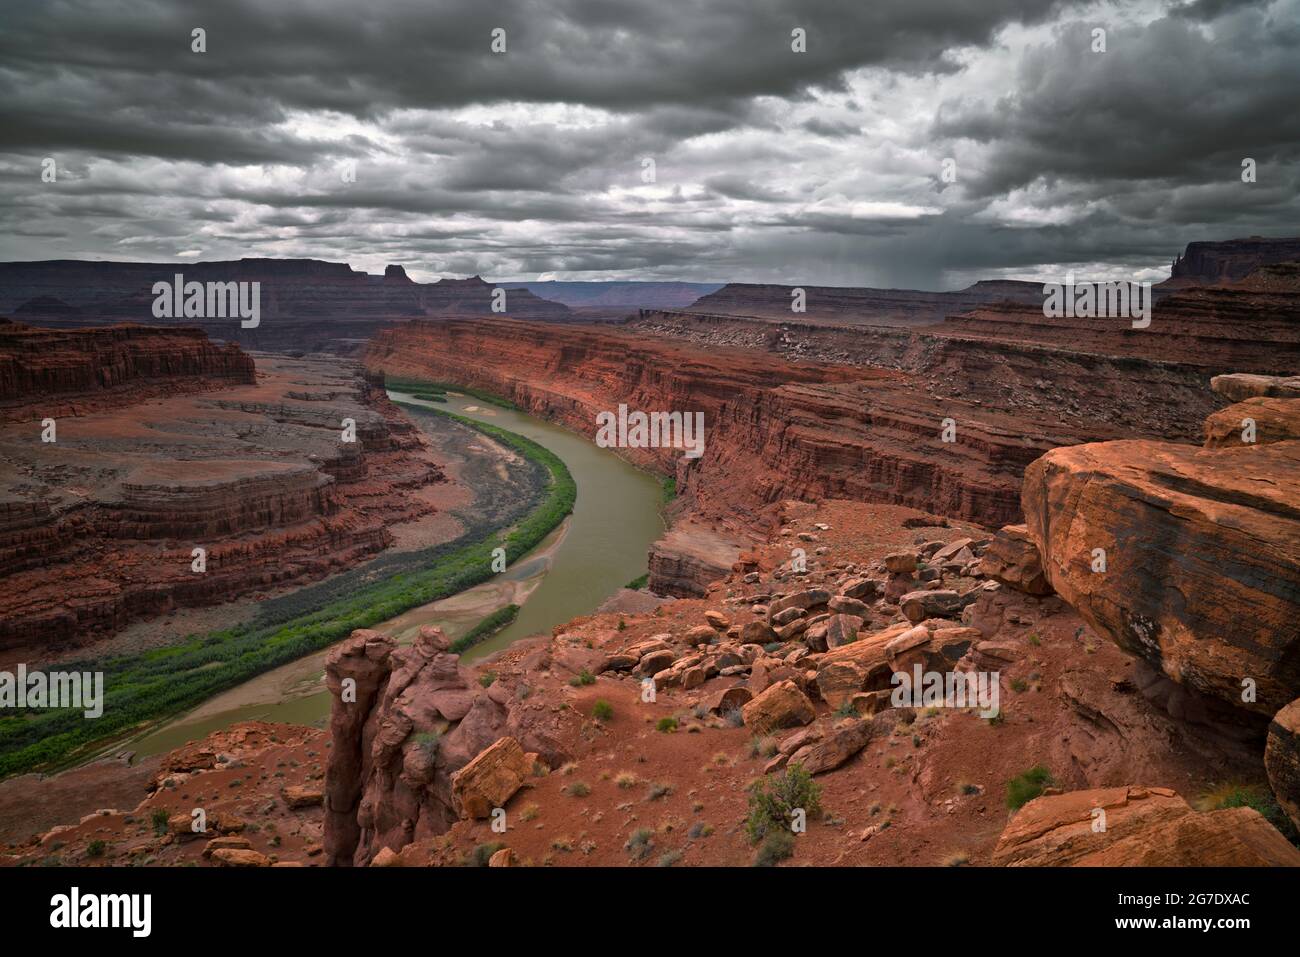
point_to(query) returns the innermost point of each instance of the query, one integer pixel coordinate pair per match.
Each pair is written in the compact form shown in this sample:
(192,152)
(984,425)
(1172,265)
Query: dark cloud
(1166,102)
(821,167)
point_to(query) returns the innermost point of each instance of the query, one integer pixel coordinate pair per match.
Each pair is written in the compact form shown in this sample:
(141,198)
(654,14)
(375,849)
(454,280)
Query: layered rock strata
(100,527)
(1140,827)
(48,373)
(773,429)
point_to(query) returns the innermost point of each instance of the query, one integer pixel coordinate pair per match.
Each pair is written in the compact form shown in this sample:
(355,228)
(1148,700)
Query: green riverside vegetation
(422,389)
(485,629)
(145,687)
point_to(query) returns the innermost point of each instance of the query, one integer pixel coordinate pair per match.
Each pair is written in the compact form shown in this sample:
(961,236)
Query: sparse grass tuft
(158,818)
(1257,796)
(640,844)
(776,847)
(483,853)
(1023,788)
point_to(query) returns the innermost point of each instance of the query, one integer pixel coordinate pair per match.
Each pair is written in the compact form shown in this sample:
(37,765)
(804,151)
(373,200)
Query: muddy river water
(598,549)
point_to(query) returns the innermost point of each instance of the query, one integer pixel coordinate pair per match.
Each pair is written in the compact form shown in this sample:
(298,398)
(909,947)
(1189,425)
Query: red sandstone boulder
(231,843)
(782,705)
(901,563)
(1138,827)
(868,664)
(296,797)
(1012,559)
(834,747)
(808,599)
(936,603)
(1282,759)
(492,778)
(1202,557)
(1257,421)
(1239,386)
(842,630)
(239,857)
(730,699)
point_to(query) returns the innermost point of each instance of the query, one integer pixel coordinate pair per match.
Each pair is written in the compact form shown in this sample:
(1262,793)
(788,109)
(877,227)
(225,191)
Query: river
(600,548)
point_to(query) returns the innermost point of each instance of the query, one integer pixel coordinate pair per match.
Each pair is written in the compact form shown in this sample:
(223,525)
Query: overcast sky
(825,166)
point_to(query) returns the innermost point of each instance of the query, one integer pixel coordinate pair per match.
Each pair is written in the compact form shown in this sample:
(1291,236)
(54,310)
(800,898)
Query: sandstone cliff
(47,373)
(1233,259)
(775,429)
(98,528)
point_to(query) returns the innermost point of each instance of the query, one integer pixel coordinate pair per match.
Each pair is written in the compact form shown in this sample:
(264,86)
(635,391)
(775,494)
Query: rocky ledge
(99,527)
(47,373)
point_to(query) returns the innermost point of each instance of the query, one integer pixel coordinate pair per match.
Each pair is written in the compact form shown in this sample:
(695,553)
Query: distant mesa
(306,304)
(1232,260)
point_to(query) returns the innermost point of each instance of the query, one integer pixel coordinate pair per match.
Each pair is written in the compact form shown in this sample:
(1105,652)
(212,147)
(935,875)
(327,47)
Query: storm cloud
(915,142)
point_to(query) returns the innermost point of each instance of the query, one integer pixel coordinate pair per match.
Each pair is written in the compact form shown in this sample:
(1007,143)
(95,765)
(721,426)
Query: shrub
(602,710)
(1257,796)
(771,801)
(666,725)
(640,844)
(776,847)
(95,848)
(657,791)
(669,858)
(577,789)
(1023,788)
(486,678)
(669,490)
(483,853)
(583,677)
(485,629)
(427,741)
(158,818)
